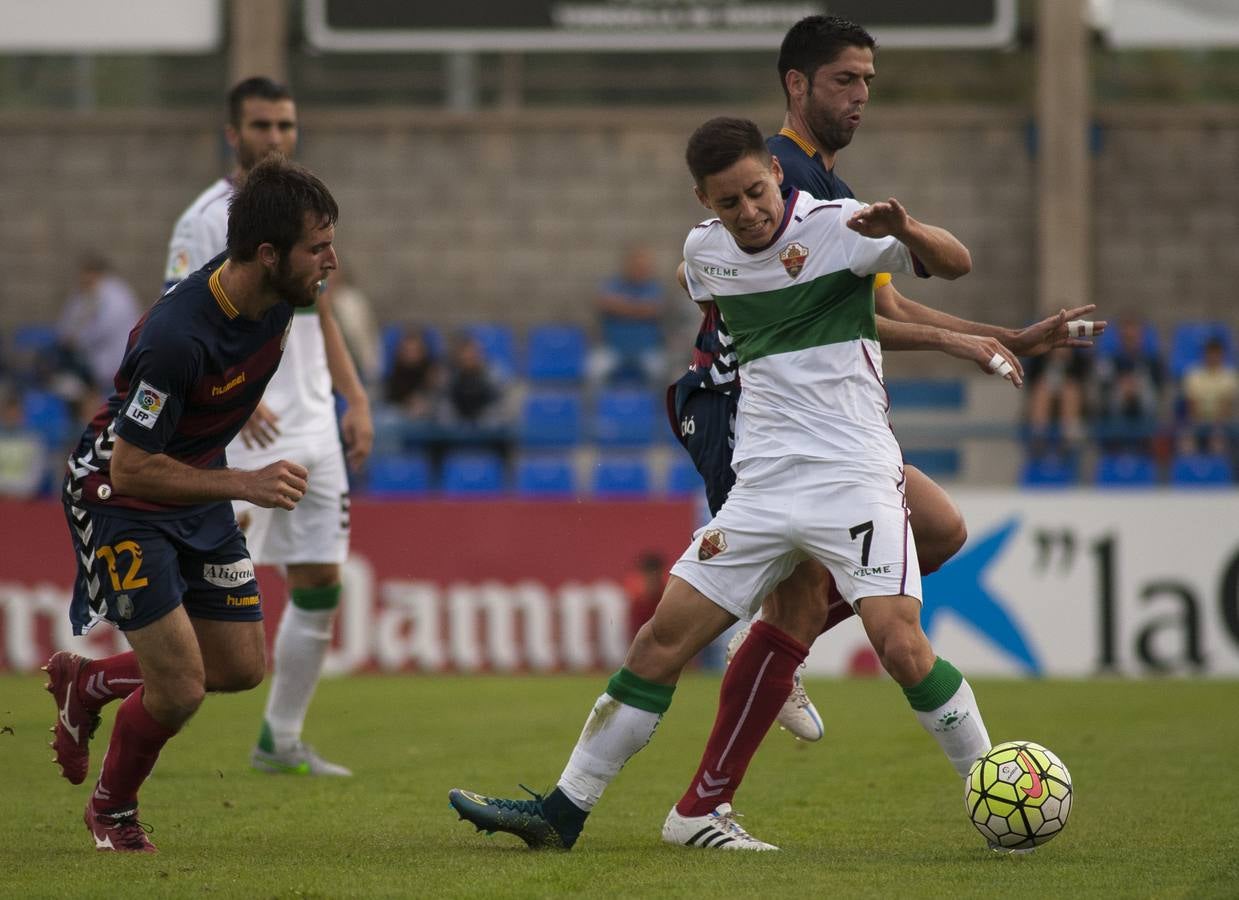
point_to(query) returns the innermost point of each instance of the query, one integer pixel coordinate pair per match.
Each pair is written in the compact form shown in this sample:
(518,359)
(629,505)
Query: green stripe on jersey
(830,309)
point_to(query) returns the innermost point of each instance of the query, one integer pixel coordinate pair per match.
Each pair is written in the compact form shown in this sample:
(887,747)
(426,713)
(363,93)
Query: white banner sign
(1081,583)
(110,26)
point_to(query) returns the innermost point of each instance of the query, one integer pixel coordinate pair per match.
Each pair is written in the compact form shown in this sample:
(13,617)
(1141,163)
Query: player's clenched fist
(277,486)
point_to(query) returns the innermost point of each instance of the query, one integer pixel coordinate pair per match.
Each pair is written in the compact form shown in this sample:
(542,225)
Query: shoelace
(524,806)
(798,694)
(130,833)
(727,822)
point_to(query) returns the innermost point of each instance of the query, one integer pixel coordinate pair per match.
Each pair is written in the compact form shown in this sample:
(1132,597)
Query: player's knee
(174,701)
(946,544)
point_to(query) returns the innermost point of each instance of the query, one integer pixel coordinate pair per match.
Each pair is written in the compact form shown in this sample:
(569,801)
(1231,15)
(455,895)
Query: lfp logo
(150,400)
(146,405)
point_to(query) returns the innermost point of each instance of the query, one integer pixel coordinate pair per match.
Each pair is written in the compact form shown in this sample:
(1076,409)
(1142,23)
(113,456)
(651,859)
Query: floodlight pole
(258,39)
(1064,182)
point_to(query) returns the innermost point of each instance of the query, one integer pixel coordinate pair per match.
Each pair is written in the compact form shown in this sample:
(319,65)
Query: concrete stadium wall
(517,217)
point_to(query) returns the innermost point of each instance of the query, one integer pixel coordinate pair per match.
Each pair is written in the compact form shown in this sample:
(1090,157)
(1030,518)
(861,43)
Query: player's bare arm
(987,352)
(356,425)
(1034,340)
(940,252)
(261,428)
(159,478)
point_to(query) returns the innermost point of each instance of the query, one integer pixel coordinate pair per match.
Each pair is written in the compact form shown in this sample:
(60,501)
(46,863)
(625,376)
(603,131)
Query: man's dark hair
(259,86)
(270,206)
(815,41)
(722,142)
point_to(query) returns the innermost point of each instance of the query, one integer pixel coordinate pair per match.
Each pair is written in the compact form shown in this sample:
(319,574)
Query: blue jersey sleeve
(164,368)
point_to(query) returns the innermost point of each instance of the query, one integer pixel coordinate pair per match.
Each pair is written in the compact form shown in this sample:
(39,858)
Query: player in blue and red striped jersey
(148,490)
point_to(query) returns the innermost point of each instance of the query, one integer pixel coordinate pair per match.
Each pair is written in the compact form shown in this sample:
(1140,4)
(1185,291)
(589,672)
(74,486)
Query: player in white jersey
(296,420)
(819,473)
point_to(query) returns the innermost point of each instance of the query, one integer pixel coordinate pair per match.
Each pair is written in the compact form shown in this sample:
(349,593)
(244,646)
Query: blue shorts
(132,572)
(704,421)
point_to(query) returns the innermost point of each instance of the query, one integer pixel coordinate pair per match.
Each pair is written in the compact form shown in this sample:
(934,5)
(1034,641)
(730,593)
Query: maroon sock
(136,741)
(101,681)
(754,688)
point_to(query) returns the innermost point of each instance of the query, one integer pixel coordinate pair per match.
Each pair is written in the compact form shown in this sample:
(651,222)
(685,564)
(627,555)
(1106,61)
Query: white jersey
(300,391)
(800,312)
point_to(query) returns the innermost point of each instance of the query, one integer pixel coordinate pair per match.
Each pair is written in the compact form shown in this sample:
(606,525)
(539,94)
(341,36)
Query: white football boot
(718,830)
(798,715)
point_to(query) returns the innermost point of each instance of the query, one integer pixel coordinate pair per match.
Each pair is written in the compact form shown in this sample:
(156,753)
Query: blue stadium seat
(398,476)
(936,462)
(545,475)
(48,415)
(621,477)
(625,417)
(1150,341)
(1050,471)
(34,338)
(555,353)
(682,478)
(498,344)
(1126,470)
(1201,470)
(550,419)
(1187,346)
(469,473)
(926,393)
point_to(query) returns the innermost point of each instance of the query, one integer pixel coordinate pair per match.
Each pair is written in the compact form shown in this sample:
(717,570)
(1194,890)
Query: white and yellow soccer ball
(1018,795)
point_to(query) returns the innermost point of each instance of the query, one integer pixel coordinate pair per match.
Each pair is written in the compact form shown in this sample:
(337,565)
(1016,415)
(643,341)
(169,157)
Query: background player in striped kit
(158,550)
(296,420)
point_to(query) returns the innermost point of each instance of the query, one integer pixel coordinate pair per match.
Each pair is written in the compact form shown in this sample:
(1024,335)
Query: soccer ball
(1018,795)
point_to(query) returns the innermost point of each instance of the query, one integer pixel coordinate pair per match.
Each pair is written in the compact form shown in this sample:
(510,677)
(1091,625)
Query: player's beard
(830,134)
(296,292)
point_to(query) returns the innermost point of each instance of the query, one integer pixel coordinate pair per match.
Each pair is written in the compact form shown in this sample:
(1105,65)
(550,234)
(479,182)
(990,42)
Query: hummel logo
(716,783)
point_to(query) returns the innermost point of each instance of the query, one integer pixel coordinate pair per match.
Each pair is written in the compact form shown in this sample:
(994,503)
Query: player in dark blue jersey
(148,490)
(826,65)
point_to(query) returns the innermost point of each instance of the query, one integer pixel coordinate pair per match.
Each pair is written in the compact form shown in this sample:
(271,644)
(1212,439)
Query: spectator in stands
(630,308)
(1056,383)
(415,380)
(95,323)
(472,396)
(1210,391)
(1129,387)
(644,588)
(23,458)
(355,316)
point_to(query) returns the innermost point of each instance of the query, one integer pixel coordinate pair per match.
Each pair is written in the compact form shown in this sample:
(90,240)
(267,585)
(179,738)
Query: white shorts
(316,529)
(781,510)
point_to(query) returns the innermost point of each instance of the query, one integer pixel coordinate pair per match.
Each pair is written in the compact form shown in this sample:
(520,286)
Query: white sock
(612,735)
(300,648)
(958,728)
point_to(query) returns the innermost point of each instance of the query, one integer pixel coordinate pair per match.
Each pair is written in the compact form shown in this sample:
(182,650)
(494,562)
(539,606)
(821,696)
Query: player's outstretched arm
(940,252)
(988,353)
(1067,328)
(159,478)
(356,425)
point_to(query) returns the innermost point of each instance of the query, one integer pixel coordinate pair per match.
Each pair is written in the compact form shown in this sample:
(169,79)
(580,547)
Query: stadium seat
(936,462)
(33,338)
(550,419)
(1201,470)
(398,476)
(926,393)
(1050,471)
(469,473)
(555,353)
(549,475)
(1126,470)
(499,346)
(621,477)
(625,417)
(682,478)
(1187,346)
(48,415)
(1150,341)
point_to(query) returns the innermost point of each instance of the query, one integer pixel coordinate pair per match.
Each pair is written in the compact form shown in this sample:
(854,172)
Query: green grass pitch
(872,811)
